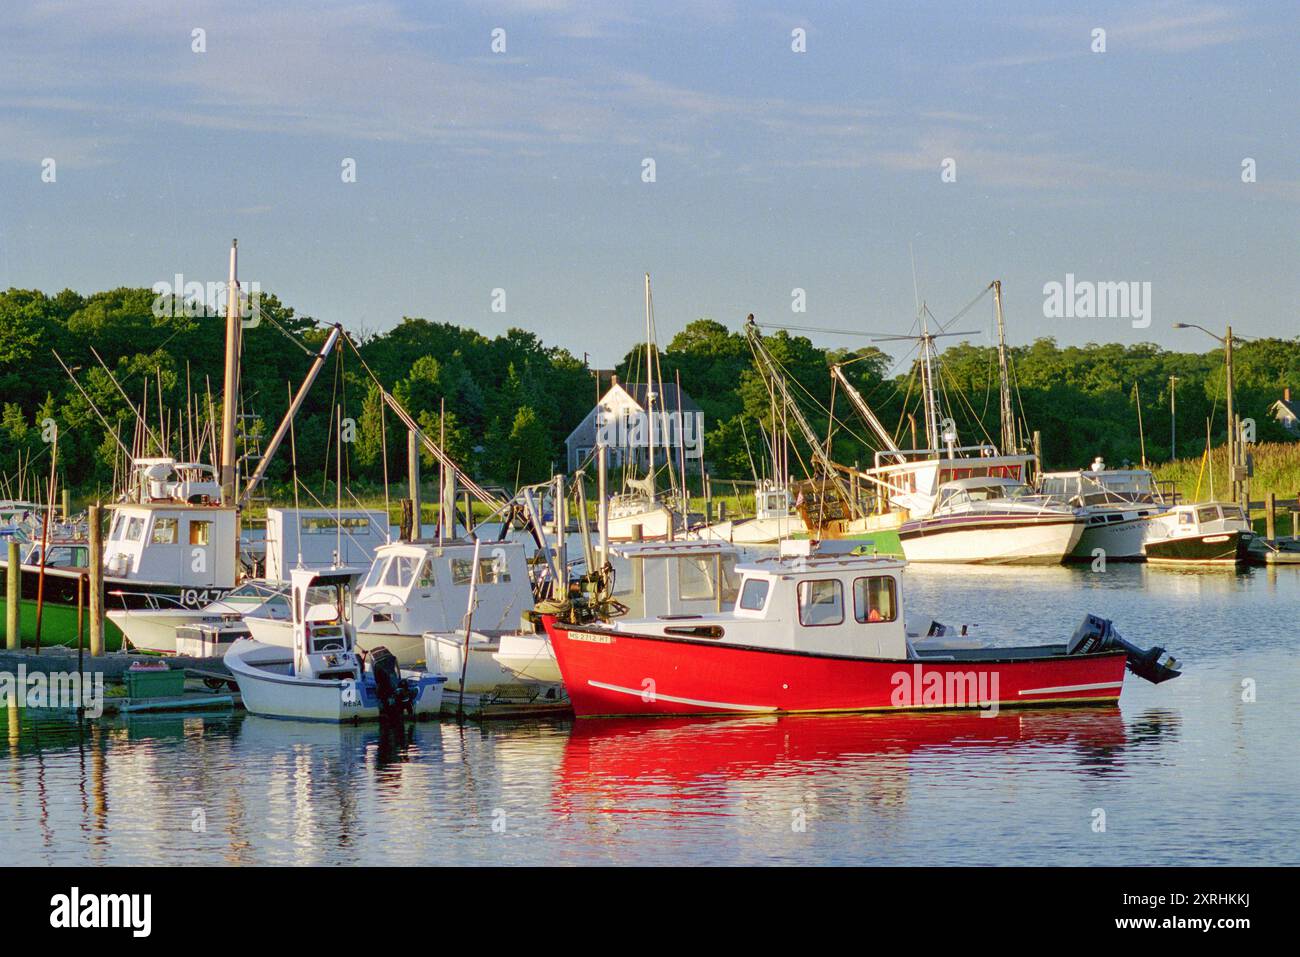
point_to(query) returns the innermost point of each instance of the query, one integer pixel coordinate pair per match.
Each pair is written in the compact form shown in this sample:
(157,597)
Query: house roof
(666,397)
(1290,406)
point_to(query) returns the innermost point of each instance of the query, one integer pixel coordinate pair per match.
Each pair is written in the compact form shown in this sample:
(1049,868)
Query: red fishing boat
(827,634)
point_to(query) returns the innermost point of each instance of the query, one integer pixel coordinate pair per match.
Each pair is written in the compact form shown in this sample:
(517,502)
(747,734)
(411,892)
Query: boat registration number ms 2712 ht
(827,634)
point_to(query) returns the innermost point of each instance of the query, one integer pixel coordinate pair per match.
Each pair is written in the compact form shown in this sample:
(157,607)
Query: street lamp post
(1233,439)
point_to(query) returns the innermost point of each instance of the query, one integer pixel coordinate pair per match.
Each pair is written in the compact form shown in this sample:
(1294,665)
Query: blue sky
(775,170)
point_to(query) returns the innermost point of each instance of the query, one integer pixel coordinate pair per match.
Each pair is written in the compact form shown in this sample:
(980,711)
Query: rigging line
(944,371)
(965,309)
(825,330)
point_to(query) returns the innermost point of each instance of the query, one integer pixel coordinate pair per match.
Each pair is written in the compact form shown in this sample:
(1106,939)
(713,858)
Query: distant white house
(621,419)
(1286,412)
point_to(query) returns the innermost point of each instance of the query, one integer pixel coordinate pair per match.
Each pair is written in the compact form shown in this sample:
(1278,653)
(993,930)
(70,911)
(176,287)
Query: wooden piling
(404,528)
(13,599)
(1270,517)
(96,582)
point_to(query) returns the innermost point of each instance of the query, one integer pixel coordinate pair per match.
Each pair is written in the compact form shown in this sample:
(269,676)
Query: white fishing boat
(1117,506)
(991,521)
(324,677)
(775,520)
(422,586)
(304,538)
(634,514)
(1212,533)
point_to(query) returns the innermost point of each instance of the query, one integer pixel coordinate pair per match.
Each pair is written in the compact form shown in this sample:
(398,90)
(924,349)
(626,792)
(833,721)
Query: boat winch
(1097,634)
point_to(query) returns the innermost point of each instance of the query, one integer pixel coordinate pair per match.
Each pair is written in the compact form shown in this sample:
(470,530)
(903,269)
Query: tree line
(511,400)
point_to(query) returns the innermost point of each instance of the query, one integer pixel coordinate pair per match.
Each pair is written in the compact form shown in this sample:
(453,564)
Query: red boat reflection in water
(631,765)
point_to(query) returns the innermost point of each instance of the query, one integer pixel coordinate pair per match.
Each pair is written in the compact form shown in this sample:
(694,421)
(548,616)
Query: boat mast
(649,388)
(927,374)
(1009,444)
(230,397)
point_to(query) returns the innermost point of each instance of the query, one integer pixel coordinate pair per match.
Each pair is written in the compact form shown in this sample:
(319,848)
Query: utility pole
(1233,451)
(1173,419)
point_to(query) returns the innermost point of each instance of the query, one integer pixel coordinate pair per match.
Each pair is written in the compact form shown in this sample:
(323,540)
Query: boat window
(376,573)
(491,571)
(1184,518)
(754,595)
(1234,512)
(164,531)
(200,533)
(1207,513)
(116,532)
(695,578)
(425,578)
(135,530)
(730,580)
(401,571)
(874,599)
(821,602)
(494,570)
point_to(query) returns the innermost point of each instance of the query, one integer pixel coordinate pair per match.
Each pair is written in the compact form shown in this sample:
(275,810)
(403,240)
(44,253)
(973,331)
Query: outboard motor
(393,691)
(1098,634)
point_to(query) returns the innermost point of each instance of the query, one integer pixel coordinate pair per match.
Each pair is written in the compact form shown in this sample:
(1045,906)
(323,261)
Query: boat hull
(1220,548)
(990,539)
(1118,541)
(608,673)
(486,671)
(150,630)
(655,524)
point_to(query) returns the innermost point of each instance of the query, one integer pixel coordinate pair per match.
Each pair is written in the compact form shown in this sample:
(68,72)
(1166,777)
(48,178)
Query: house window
(200,533)
(874,599)
(164,531)
(821,602)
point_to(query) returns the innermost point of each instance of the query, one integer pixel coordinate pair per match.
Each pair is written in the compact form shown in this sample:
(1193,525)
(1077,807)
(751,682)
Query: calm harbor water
(1187,772)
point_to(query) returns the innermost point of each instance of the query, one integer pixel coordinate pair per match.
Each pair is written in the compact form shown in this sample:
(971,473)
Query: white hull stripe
(1092,687)
(656,696)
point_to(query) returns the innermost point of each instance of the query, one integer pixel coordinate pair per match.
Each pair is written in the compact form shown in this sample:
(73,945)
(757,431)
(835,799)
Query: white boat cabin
(1189,521)
(324,642)
(772,501)
(321,538)
(1102,486)
(71,554)
(915,484)
(190,546)
(842,605)
(668,578)
(414,587)
(166,531)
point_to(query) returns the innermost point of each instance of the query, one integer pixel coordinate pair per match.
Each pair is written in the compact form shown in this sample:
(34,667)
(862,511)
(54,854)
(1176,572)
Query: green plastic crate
(155,684)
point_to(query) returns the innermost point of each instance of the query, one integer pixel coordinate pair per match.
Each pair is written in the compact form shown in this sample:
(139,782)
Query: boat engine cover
(391,689)
(1097,634)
